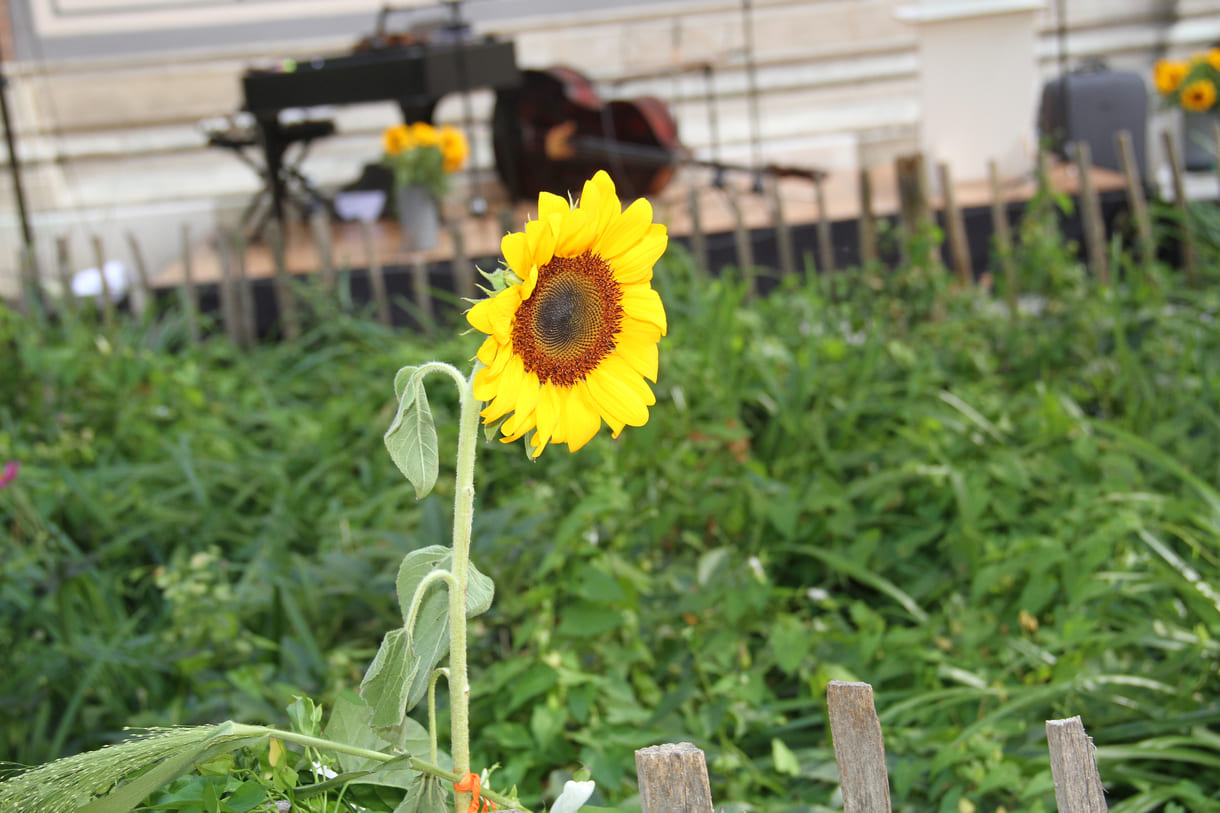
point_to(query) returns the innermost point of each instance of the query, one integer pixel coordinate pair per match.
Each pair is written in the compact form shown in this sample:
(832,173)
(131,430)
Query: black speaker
(1092,105)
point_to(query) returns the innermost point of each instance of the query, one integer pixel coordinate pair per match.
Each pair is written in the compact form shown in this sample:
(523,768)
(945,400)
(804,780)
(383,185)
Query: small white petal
(574,795)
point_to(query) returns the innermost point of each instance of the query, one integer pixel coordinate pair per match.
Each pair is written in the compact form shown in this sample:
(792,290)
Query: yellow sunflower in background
(1167,75)
(1198,96)
(397,139)
(573,336)
(453,148)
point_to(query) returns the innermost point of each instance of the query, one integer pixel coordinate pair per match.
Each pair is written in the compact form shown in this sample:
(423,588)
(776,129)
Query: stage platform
(405,273)
(481,234)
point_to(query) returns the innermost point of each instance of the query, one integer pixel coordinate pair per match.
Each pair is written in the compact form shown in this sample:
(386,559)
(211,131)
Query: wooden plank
(1136,200)
(859,748)
(1078,787)
(955,228)
(1186,233)
(1002,236)
(1090,215)
(673,779)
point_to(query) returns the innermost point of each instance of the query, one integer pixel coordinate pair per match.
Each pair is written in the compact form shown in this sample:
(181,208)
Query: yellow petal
(639,352)
(541,238)
(635,264)
(515,249)
(640,329)
(547,417)
(507,389)
(642,302)
(615,400)
(618,367)
(516,426)
(574,235)
(603,204)
(581,420)
(495,315)
(527,395)
(549,204)
(487,350)
(626,230)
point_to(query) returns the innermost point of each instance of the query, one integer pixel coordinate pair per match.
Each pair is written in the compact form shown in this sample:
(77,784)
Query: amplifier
(1092,105)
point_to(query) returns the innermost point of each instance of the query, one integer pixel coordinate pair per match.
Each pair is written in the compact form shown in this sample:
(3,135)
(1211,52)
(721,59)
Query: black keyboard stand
(297,189)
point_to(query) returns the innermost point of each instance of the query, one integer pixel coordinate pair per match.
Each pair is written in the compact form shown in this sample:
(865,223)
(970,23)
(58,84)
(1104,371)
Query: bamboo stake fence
(917,210)
(673,777)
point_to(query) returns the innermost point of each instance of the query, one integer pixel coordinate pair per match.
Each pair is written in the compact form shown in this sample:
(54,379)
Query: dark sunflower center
(567,326)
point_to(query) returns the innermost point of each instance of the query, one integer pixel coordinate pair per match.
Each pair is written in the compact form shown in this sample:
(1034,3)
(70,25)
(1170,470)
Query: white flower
(574,795)
(322,771)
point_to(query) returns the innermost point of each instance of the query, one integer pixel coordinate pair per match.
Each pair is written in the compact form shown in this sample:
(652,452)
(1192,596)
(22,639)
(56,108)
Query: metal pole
(26,235)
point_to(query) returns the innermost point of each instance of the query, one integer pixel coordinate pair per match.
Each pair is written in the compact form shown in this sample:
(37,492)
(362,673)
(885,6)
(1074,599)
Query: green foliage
(993,518)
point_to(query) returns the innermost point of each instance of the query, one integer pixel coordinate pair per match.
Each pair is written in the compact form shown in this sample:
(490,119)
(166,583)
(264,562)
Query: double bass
(554,131)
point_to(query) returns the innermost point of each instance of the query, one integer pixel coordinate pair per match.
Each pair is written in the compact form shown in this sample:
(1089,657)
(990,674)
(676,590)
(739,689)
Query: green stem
(416,764)
(463,516)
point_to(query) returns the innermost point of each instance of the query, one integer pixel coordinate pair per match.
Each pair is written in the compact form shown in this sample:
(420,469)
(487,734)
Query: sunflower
(453,148)
(1168,75)
(397,139)
(424,134)
(1198,96)
(573,334)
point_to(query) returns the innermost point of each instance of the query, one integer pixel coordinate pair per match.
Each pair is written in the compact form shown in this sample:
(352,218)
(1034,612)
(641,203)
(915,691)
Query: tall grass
(994,519)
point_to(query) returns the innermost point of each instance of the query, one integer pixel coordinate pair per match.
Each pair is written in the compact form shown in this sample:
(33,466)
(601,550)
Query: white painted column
(978,83)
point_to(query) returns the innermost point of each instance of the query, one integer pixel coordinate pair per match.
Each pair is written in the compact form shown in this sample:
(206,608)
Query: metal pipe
(14,168)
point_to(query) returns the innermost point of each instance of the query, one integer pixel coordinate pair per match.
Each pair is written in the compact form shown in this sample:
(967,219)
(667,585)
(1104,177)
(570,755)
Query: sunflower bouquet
(422,154)
(1189,84)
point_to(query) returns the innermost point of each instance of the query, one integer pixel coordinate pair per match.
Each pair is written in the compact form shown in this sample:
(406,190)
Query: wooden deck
(481,234)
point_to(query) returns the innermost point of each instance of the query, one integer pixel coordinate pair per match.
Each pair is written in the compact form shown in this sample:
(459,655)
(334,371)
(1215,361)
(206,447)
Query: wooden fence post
(859,748)
(1003,236)
(868,222)
(741,236)
(63,269)
(319,224)
(376,273)
(1187,231)
(1078,787)
(698,240)
(826,251)
(915,214)
(955,227)
(285,299)
(107,304)
(673,779)
(1135,196)
(142,292)
(189,296)
(783,235)
(1090,215)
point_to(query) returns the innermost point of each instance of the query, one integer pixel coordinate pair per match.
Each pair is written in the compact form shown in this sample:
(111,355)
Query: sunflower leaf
(411,438)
